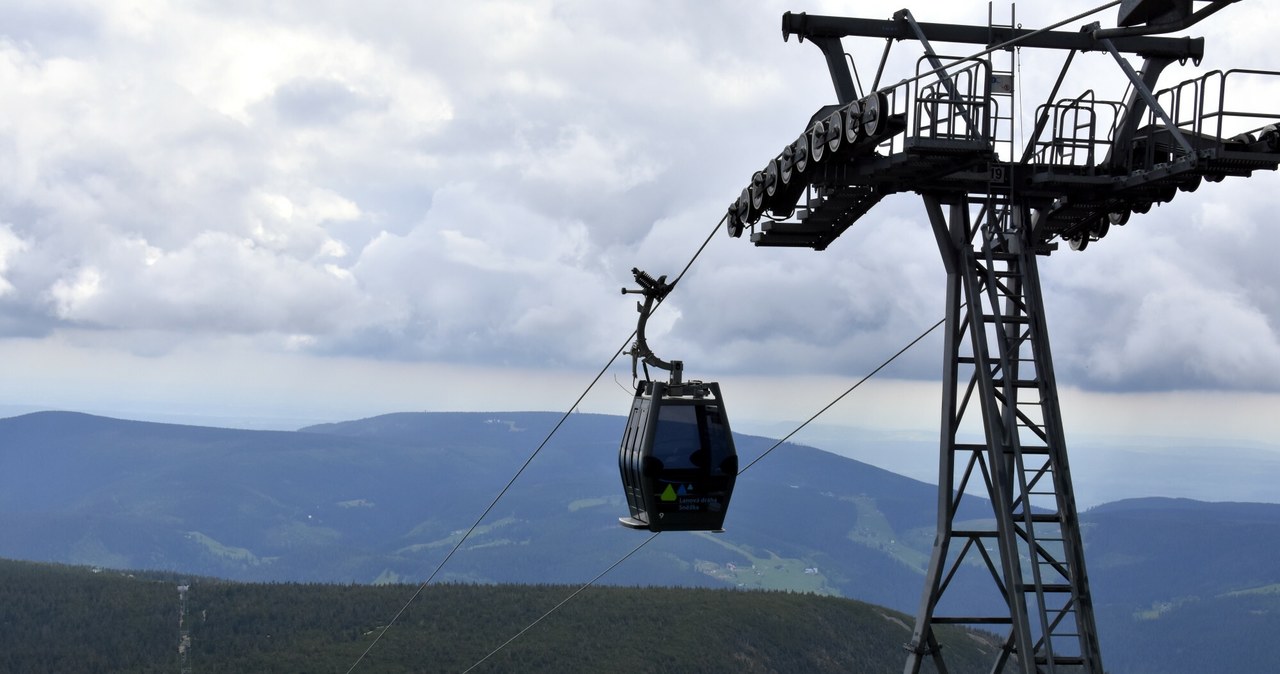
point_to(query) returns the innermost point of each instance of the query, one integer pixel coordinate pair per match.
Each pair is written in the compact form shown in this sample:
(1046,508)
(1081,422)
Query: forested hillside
(66,619)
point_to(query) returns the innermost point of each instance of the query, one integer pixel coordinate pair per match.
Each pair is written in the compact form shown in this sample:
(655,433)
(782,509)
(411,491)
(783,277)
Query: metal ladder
(1002,88)
(1044,555)
(998,354)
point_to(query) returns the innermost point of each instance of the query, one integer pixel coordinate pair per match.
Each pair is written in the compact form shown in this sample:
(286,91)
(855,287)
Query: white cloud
(483,279)
(71,295)
(10,245)
(1182,297)
(473,182)
(298,225)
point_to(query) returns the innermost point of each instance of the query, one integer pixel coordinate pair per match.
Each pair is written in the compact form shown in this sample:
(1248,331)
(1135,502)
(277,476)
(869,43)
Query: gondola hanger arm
(654,291)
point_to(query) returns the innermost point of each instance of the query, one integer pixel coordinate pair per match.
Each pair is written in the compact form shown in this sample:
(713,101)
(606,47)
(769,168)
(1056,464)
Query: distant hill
(1185,586)
(384,499)
(60,619)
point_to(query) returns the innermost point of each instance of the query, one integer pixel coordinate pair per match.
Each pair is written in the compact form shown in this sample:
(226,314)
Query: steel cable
(779,443)
(564,601)
(842,395)
(502,492)
(1009,43)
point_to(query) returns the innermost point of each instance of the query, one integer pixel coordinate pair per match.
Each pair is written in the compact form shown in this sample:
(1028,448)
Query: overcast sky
(325,210)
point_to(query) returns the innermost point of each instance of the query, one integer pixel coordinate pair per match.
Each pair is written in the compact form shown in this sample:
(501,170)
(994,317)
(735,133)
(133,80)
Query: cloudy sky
(325,210)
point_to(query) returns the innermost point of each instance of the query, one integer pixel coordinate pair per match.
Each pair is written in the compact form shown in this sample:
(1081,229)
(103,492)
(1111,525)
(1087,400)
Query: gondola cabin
(677,458)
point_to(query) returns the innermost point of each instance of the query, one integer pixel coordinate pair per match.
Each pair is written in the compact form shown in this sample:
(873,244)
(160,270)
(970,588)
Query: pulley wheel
(738,213)
(787,164)
(757,191)
(1079,243)
(772,178)
(1120,218)
(801,155)
(1271,134)
(817,136)
(733,223)
(835,132)
(749,216)
(852,123)
(1100,228)
(874,109)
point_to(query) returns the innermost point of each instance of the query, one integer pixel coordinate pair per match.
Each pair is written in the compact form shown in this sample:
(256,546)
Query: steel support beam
(998,384)
(810,26)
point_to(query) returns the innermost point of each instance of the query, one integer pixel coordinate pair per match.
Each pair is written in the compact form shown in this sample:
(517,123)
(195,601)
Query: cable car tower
(947,134)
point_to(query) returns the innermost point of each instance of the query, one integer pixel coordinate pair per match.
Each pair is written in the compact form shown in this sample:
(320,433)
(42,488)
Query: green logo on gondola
(669,494)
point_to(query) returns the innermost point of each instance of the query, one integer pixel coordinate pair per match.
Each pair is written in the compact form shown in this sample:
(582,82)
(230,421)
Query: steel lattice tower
(947,134)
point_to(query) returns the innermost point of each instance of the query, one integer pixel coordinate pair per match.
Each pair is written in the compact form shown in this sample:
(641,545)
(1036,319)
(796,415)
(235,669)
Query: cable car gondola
(677,457)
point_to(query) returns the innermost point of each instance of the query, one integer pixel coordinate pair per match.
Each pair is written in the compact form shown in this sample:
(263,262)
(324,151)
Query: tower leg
(1019,568)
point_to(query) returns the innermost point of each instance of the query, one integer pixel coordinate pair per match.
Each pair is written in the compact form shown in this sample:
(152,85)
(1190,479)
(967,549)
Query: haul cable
(564,601)
(1009,43)
(521,470)
(646,541)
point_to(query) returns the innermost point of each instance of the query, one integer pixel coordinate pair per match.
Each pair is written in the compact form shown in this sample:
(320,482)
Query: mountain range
(386,499)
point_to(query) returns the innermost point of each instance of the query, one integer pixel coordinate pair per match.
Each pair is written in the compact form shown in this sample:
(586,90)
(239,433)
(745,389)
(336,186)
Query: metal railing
(957,108)
(1207,106)
(1074,124)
